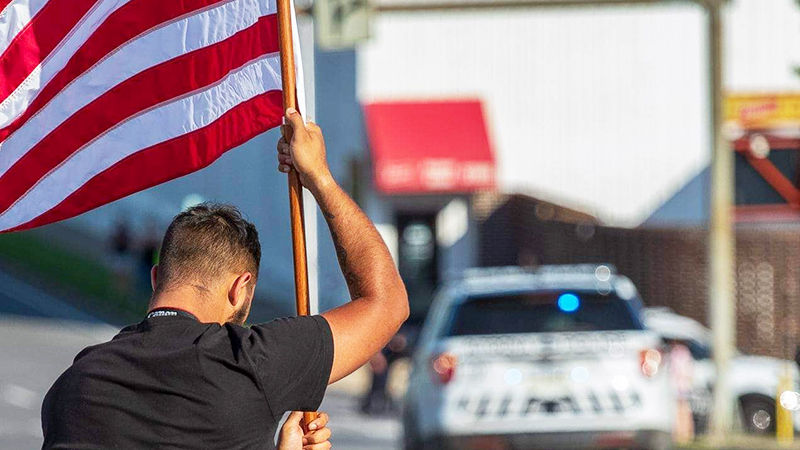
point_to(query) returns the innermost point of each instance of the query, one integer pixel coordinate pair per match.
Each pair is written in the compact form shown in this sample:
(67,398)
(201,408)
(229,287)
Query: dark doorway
(418,260)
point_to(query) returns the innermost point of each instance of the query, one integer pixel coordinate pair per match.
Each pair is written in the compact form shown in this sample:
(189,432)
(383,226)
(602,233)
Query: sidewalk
(742,442)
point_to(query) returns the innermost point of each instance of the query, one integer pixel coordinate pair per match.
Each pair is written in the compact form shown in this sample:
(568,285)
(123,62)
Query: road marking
(19,396)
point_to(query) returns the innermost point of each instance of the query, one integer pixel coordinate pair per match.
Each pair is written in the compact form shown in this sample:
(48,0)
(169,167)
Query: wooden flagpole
(295,188)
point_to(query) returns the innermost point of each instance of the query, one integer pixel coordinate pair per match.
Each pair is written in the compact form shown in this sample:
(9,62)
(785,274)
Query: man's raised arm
(379,302)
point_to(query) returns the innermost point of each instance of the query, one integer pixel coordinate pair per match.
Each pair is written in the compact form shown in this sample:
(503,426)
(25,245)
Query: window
(542,312)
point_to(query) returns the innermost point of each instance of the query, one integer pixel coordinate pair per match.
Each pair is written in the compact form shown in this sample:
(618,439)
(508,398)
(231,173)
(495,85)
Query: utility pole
(721,244)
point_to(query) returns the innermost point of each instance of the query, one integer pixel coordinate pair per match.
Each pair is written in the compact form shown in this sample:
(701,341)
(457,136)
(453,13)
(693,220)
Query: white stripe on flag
(143,131)
(160,45)
(16,103)
(14,17)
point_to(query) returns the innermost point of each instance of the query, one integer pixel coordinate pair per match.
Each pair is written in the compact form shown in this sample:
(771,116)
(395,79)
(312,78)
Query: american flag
(103,98)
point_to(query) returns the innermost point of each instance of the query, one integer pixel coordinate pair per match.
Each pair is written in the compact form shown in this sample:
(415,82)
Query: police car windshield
(542,312)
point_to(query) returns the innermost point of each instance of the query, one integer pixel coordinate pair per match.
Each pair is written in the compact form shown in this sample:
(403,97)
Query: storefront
(427,158)
(764,130)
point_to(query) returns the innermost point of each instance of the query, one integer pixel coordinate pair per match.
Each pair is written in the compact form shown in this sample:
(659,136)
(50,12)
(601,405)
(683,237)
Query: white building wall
(763,44)
(600,109)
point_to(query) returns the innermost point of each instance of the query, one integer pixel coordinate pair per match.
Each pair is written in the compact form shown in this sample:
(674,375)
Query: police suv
(553,357)
(753,380)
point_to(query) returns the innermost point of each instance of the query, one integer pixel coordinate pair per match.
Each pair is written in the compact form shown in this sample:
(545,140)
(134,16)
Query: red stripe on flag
(123,25)
(170,159)
(3,4)
(160,83)
(37,39)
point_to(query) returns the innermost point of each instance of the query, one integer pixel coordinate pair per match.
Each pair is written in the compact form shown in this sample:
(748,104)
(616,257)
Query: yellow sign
(763,110)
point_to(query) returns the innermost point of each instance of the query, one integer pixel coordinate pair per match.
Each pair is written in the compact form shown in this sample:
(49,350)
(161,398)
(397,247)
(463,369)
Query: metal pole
(721,252)
(306,31)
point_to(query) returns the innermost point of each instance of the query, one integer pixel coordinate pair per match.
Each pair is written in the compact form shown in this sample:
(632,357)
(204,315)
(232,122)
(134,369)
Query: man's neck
(186,299)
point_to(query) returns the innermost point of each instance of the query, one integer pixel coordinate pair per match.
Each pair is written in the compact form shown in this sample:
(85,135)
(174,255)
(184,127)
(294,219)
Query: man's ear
(240,289)
(154,277)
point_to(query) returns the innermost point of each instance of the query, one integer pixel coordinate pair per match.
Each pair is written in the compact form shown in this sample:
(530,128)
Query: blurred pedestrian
(377,398)
(120,246)
(797,356)
(190,375)
(681,367)
(120,237)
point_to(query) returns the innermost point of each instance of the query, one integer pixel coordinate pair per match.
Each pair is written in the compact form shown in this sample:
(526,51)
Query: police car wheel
(758,415)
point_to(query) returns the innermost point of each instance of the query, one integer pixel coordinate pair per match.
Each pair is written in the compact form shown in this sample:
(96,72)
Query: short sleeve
(292,358)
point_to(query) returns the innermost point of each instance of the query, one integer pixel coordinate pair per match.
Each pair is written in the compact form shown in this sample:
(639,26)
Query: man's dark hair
(206,241)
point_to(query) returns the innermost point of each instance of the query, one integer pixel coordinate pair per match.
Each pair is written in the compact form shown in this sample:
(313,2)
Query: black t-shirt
(173,382)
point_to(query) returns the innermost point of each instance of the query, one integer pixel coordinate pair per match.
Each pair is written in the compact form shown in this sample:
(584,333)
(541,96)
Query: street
(355,431)
(39,336)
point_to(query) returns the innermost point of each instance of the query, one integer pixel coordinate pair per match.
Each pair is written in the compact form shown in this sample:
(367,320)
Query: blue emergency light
(568,302)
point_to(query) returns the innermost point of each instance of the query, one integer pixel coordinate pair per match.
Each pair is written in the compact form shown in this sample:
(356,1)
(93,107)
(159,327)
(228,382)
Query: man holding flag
(100,99)
(189,375)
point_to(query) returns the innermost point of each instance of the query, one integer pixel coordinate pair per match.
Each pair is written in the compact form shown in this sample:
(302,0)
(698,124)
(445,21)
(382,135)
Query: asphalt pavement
(34,352)
(41,334)
(355,431)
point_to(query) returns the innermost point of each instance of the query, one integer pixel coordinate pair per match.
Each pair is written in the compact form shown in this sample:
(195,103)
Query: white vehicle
(557,357)
(753,379)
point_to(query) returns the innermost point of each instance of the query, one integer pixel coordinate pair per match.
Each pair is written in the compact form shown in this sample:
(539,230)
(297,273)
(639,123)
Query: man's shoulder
(117,340)
(290,328)
(315,321)
(142,335)
(288,335)
(99,347)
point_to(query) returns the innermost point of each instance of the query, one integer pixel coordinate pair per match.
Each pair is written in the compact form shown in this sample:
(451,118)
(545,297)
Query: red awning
(436,146)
